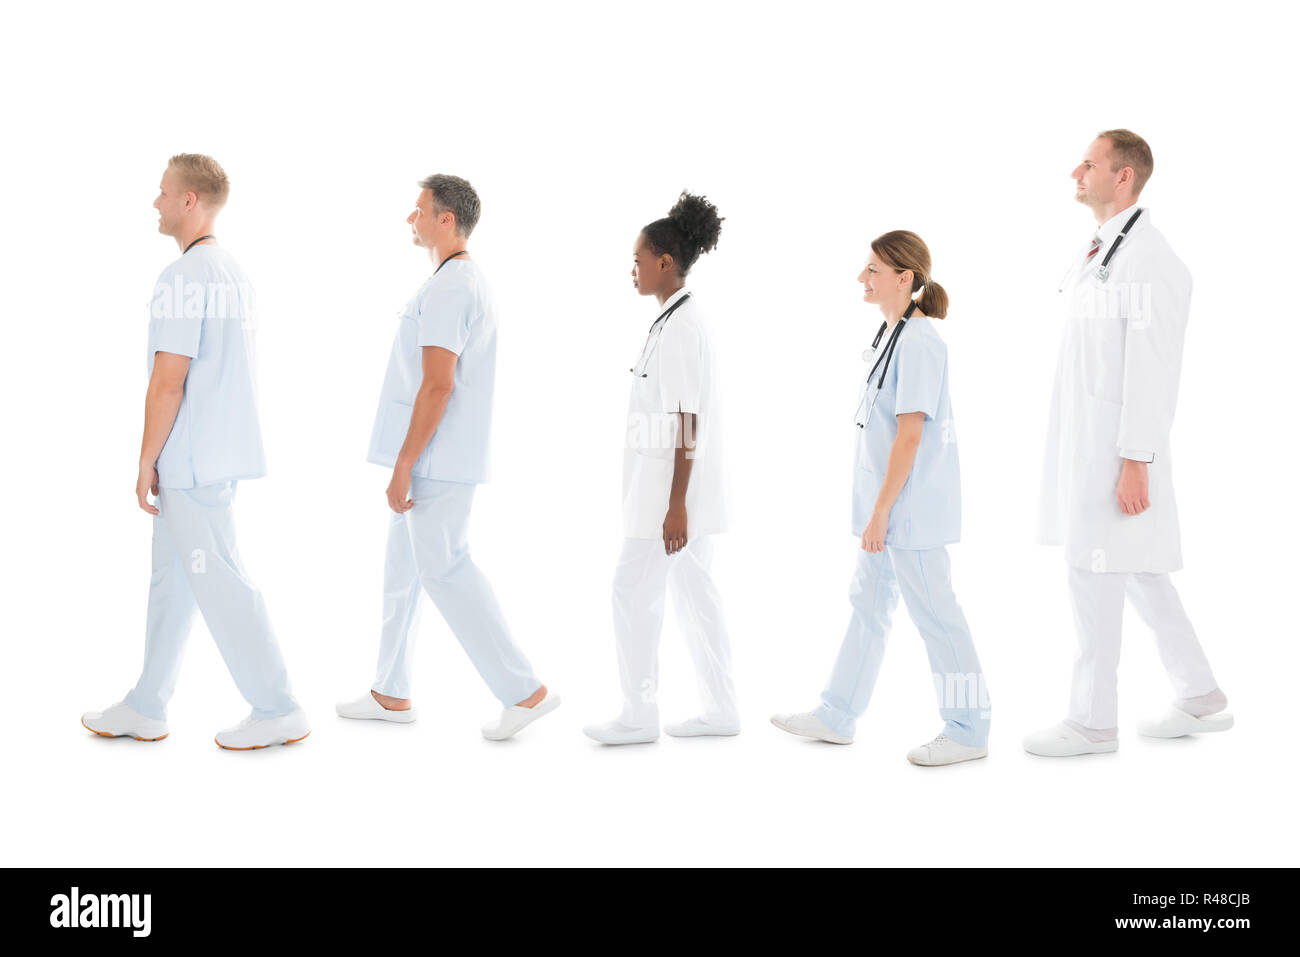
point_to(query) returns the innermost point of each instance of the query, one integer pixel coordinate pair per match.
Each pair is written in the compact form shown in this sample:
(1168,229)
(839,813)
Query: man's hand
(675,529)
(873,536)
(398,489)
(147,482)
(1132,488)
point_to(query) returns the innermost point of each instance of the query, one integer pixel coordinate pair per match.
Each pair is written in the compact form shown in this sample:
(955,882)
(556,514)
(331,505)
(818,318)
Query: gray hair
(455,195)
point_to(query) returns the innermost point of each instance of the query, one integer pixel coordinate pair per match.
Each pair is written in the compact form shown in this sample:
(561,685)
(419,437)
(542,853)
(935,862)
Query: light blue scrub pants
(926,583)
(428,550)
(196,565)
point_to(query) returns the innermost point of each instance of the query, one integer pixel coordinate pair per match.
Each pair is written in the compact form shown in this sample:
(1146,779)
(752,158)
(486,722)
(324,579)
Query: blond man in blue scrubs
(201,438)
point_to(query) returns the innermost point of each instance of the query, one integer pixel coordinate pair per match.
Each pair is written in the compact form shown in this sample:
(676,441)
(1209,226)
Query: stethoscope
(651,339)
(883,355)
(449,259)
(196,242)
(1103,271)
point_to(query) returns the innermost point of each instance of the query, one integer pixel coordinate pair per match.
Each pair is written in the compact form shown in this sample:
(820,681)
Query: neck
(191,233)
(442,251)
(1112,209)
(669,291)
(894,311)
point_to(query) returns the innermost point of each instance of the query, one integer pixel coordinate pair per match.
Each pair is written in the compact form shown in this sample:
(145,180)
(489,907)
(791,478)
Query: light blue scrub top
(927,513)
(202,307)
(454,310)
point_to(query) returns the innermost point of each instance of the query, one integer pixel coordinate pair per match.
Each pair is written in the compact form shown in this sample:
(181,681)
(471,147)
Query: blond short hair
(202,175)
(1129,149)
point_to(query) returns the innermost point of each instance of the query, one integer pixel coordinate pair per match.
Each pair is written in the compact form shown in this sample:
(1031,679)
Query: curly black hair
(691,227)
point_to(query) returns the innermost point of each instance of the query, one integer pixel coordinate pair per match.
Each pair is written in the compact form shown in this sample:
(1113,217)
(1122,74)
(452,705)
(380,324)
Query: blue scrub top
(927,513)
(453,309)
(202,307)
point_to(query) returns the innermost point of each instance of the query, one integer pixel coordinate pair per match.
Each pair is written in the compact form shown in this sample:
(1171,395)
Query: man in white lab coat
(1108,495)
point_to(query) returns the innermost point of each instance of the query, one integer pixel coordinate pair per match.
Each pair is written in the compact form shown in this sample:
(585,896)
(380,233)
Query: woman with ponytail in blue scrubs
(906,510)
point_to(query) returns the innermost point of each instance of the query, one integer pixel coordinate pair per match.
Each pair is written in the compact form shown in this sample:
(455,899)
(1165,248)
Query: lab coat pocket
(1100,431)
(1103,356)
(653,434)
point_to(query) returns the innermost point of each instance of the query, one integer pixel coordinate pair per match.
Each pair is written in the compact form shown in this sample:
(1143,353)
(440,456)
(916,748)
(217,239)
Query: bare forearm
(902,454)
(683,459)
(430,405)
(161,403)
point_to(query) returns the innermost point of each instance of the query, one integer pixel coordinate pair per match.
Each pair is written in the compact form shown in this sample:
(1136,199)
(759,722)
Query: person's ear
(191,200)
(665,262)
(905,279)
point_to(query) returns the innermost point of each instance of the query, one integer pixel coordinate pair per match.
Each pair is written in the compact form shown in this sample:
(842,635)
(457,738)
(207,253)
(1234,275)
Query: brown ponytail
(901,250)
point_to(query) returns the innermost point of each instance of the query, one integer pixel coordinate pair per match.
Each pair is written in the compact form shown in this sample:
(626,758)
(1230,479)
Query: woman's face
(882,283)
(649,272)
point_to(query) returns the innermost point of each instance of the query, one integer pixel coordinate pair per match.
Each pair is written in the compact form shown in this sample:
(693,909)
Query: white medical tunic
(202,307)
(453,309)
(1116,388)
(674,373)
(927,513)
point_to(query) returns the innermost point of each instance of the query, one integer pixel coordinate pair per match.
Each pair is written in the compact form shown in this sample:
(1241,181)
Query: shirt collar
(671,300)
(1108,230)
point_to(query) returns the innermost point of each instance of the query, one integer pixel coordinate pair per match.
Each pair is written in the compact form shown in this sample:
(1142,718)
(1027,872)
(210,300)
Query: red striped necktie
(1092,250)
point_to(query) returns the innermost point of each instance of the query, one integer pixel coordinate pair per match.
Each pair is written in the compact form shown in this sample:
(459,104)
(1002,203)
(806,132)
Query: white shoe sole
(384,714)
(1100,747)
(830,738)
(542,709)
(614,742)
(121,734)
(1179,726)
(260,747)
(673,732)
(943,764)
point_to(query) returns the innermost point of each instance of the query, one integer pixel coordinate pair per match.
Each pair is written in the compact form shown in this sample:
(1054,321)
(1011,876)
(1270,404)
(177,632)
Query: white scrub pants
(428,550)
(196,565)
(1097,599)
(645,572)
(925,580)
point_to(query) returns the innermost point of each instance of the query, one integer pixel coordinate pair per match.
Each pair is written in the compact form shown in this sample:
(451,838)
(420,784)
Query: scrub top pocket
(397,420)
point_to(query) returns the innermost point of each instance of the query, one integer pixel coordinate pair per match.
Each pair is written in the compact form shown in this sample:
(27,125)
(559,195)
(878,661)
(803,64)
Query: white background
(814,127)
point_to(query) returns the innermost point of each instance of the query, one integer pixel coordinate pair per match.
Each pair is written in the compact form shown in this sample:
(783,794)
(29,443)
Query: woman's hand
(873,536)
(675,529)
(398,488)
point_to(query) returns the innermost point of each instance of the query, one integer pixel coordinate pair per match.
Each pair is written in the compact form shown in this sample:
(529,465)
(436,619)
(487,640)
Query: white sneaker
(701,727)
(367,707)
(1176,722)
(120,721)
(944,750)
(1062,741)
(253,734)
(808,725)
(514,718)
(615,732)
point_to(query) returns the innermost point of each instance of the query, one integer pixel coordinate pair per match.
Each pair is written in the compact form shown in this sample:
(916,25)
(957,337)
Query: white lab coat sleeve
(921,364)
(447,312)
(1153,357)
(681,364)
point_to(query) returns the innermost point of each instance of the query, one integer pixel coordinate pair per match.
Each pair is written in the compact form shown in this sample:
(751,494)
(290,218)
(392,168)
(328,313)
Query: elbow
(909,440)
(436,391)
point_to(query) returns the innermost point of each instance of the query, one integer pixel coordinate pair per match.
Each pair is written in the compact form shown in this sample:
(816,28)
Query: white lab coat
(1116,388)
